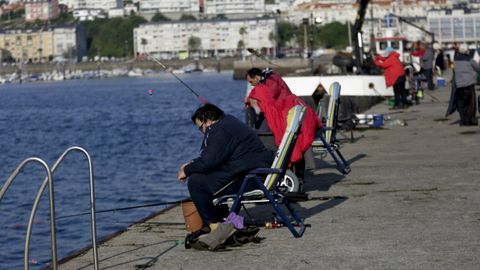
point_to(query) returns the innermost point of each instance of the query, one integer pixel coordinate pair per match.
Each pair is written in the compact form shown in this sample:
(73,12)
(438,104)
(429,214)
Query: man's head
(463,48)
(254,76)
(206,115)
(387,51)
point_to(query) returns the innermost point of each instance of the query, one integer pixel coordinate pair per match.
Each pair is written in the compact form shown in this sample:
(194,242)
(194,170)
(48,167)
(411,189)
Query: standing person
(394,76)
(428,59)
(465,76)
(439,57)
(229,150)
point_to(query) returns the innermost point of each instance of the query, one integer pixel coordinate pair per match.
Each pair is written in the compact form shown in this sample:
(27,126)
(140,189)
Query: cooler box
(440,82)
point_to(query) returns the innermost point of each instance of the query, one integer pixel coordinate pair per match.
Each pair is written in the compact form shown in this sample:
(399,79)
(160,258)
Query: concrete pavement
(412,201)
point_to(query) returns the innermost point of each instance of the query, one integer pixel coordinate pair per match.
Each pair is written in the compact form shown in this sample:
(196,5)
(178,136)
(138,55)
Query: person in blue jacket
(229,150)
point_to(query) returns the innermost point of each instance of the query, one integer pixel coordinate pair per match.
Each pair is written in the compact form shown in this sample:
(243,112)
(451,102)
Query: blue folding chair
(326,141)
(270,190)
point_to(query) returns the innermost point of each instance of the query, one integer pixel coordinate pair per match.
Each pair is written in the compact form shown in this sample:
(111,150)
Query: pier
(411,202)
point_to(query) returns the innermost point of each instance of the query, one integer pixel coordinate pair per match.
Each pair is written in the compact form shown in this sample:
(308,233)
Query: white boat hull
(353,85)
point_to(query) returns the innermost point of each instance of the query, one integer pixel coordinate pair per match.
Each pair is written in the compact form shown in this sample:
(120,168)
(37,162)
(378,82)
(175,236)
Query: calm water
(136,140)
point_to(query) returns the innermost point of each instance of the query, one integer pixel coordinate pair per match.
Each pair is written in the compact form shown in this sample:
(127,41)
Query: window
(395,44)
(383,45)
(458,27)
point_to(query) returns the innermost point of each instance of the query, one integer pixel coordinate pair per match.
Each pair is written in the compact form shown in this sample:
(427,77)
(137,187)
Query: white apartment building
(233,6)
(166,6)
(346,11)
(71,4)
(217,37)
(454,26)
(94,4)
(280,5)
(41,10)
(70,42)
(374,24)
(89,14)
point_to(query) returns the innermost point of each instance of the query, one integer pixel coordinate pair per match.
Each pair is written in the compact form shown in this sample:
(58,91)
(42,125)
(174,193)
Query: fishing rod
(257,54)
(204,101)
(121,209)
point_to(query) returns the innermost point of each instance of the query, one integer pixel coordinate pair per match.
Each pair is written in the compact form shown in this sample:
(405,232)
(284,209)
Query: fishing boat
(363,91)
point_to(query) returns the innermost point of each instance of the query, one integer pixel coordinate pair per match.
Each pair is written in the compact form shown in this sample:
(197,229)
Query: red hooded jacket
(277,86)
(392,66)
(275,111)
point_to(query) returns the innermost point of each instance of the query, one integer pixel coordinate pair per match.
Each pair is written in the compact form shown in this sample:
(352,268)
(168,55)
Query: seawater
(138,132)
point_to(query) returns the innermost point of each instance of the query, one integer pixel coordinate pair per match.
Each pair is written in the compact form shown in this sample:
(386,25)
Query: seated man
(229,150)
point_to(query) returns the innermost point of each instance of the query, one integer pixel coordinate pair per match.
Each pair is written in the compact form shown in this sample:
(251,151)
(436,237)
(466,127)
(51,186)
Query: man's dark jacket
(229,149)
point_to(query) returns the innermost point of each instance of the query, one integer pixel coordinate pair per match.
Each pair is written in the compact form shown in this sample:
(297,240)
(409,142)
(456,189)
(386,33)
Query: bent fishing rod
(257,54)
(204,101)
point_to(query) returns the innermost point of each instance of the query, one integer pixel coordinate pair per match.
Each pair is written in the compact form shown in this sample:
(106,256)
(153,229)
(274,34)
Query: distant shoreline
(71,70)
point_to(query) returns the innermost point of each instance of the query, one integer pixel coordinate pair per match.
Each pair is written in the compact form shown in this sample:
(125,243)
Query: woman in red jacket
(271,96)
(394,76)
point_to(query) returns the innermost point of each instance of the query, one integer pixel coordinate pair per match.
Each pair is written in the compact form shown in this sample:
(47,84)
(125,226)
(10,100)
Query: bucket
(193,221)
(420,94)
(377,120)
(440,82)
(391,101)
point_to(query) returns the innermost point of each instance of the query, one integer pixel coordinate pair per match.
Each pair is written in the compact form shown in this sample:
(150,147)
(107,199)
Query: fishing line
(121,209)
(257,54)
(204,101)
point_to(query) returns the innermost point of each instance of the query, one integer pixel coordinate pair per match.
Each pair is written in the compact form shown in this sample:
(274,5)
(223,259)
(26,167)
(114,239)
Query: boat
(363,91)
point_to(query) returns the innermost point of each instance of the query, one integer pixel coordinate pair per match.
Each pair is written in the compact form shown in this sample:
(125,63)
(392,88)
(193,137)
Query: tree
(240,45)
(194,44)
(5,56)
(70,53)
(286,32)
(144,43)
(105,35)
(187,17)
(221,16)
(273,38)
(243,31)
(333,35)
(159,17)
(39,50)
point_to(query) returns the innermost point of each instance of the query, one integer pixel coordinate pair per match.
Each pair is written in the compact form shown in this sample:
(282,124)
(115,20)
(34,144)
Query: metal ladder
(49,181)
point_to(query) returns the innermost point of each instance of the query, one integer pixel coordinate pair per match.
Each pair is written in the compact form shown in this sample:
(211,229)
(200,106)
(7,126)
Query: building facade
(457,25)
(233,6)
(168,6)
(25,45)
(43,10)
(44,44)
(92,4)
(89,14)
(206,38)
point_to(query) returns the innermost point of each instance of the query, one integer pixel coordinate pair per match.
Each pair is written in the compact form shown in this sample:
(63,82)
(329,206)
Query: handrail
(48,180)
(92,203)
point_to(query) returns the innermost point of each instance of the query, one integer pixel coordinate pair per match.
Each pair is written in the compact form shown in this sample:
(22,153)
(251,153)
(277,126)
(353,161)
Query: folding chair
(270,190)
(326,141)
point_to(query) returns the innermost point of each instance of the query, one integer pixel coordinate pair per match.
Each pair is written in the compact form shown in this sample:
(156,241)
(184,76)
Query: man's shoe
(192,238)
(216,237)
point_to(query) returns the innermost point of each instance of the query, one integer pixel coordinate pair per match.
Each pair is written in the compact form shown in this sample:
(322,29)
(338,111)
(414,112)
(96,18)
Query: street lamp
(308,24)
(305,23)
